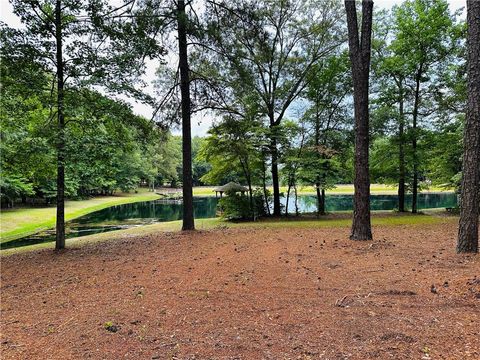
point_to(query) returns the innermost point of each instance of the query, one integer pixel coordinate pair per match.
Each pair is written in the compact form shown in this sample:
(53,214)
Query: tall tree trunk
(297,212)
(322,203)
(188,222)
(319,199)
(360,50)
(275,178)
(248,177)
(288,197)
(250,195)
(264,185)
(60,225)
(401,152)
(470,191)
(416,105)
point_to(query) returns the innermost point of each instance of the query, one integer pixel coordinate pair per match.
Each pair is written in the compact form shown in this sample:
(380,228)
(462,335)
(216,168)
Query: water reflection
(308,203)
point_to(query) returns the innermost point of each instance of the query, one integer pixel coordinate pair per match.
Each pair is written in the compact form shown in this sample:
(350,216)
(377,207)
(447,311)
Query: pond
(149,212)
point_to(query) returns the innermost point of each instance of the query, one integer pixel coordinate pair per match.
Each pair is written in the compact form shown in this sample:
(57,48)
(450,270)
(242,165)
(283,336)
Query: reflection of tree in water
(158,210)
(434,200)
(168,210)
(338,202)
(308,203)
(205,207)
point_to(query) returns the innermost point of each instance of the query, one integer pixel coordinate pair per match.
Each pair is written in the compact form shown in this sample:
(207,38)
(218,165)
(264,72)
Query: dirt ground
(247,294)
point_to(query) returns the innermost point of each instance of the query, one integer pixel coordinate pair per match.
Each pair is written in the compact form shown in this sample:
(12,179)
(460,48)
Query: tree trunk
(470,190)
(188,222)
(401,152)
(275,179)
(297,212)
(250,191)
(288,198)
(416,105)
(319,199)
(250,195)
(322,203)
(360,50)
(60,225)
(264,183)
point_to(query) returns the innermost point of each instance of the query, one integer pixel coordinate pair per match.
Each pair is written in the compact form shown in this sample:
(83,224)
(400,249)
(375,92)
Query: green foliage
(418,93)
(236,206)
(102,140)
(13,187)
(103,44)
(444,155)
(263,59)
(326,144)
(234,151)
(200,166)
(384,161)
(108,147)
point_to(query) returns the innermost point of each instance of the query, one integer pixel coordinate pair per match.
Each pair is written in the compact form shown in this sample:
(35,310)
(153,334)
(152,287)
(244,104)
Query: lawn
(20,222)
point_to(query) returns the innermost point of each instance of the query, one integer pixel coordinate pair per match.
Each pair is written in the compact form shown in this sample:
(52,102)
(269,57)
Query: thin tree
(328,86)
(360,49)
(266,49)
(188,222)
(423,43)
(82,44)
(470,189)
(60,226)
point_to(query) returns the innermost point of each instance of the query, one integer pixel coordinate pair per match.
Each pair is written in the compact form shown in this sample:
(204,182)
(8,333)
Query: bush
(259,202)
(235,206)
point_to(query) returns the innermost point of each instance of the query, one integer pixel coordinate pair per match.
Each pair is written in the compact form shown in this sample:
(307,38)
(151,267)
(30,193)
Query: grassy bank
(20,222)
(329,221)
(341,189)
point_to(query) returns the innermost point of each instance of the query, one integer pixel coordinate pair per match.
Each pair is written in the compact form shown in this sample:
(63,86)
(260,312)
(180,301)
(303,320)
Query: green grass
(341,189)
(338,220)
(203,191)
(20,222)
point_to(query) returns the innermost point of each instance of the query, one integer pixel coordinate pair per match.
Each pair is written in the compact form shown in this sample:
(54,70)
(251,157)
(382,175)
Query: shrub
(235,206)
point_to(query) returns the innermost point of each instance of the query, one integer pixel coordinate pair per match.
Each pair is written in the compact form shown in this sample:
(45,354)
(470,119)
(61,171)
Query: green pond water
(149,212)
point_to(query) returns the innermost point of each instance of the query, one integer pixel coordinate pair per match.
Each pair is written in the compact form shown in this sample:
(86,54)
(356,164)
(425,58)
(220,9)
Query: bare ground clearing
(274,293)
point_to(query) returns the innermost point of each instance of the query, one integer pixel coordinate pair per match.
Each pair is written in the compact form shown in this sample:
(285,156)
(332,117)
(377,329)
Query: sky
(200,123)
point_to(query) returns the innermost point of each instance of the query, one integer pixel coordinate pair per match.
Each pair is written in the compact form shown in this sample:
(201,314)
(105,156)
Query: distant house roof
(230,187)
